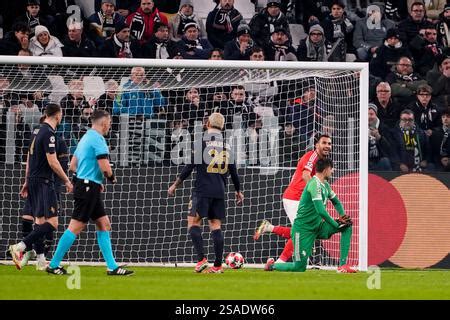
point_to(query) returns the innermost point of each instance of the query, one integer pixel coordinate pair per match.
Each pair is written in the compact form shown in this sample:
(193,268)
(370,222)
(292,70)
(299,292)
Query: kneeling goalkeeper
(313,222)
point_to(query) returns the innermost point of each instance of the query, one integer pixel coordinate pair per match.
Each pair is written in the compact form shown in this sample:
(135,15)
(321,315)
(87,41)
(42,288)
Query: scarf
(32,22)
(107,24)
(183,20)
(315,51)
(124,48)
(222,20)
(272,21)
(193,44)
(406,77)
(161,50)
(412,146)
(137,26)
(374,152)
(443,149)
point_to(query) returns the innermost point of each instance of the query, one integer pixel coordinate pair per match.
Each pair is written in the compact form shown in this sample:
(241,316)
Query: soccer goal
(273,110)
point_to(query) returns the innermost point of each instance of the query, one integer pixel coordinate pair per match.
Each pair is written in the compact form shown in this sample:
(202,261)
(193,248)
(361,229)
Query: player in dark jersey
(62,153)
(39,186)
(208,196)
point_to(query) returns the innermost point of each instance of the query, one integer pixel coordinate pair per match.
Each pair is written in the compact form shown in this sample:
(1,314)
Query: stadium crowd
(405,43)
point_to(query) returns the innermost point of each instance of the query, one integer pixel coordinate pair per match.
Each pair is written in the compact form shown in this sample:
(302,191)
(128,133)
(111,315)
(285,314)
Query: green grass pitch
(152,283)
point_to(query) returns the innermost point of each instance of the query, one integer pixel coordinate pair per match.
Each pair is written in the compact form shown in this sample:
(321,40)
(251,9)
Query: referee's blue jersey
(91,148)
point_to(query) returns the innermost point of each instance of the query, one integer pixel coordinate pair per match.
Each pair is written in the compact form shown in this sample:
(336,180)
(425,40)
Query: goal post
(273,110)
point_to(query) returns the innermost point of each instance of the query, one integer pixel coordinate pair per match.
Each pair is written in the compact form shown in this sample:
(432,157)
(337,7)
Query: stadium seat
(59,90)
(297,34)
(94,87)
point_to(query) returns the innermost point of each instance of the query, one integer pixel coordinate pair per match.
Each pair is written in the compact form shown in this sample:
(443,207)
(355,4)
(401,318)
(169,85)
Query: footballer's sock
(39,246)
(284,232)
(217,237)
(346,237)
(104,242)
(287,251)
(196,236)
(48,242)
(64,245)
(39,232)
(27,227)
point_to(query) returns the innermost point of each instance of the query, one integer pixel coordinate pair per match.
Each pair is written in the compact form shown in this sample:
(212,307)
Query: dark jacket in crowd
(389,116)
(200,48)
(409,28)
(85,48)
(232,51)
(221,26)
(9,45)
(426,118)
(261,26)
(440,147)
(150,49)
(113,48)
(385,57)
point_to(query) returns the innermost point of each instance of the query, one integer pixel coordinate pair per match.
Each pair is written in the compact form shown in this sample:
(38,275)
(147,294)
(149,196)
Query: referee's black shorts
(43,201)
(88,203)
(211,208)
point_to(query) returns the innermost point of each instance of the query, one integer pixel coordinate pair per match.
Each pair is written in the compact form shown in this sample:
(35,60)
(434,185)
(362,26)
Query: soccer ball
(234,260)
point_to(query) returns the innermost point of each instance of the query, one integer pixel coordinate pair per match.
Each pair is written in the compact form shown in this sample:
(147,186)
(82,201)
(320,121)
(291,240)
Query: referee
(39,186)
(91,164)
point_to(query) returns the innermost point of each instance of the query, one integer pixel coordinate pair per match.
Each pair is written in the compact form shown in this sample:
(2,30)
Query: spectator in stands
(216,54)
(387,110)
(443,27)
(237,112)
(72,103)
(439,80)
(239,48)
(160,46)
(8,100)
(120,45)
(425,50)
(76,44)
(370,32)
(410,145)
(388,54)
(32,16)
(404,81)
(193,109)
(432,8)
(280,47)
(191,46)
(314,47)
(103,24)
(138,97)
(265,22)
(440,143)
(33,79)
(84,124)
(15,40)
(257,54)
(415,22)
(380,148)
(290,146)
(106,100)
(222,23)
(300,112)
(141,22)
(123,7)
(185,15)
(313,11)
(426,113)
(338,29)
(44,44)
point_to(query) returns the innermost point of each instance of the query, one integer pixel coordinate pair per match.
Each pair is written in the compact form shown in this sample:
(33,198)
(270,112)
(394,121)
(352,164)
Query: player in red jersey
(306,168)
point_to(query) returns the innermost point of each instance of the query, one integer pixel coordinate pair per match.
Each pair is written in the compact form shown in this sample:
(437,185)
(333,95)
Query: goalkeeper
(313,222)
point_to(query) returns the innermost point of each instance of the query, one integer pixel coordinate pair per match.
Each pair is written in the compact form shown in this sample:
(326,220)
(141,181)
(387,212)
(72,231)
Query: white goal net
(272,111)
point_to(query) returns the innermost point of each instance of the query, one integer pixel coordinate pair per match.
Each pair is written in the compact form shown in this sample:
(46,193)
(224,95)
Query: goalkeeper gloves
(344,221)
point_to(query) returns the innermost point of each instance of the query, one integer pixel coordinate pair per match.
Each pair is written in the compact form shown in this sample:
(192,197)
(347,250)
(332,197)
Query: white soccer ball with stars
(234,260)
